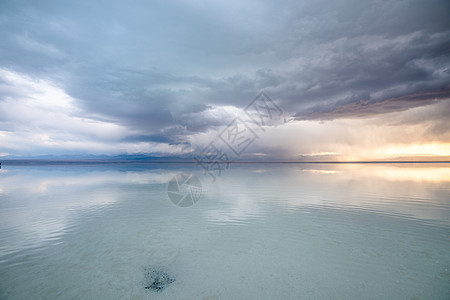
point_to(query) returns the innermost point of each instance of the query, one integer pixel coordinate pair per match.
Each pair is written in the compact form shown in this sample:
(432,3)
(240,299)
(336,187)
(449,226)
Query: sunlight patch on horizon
(428,149)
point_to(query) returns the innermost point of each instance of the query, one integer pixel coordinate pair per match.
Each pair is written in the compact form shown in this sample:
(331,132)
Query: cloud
(44,118)
(166,72)
(419,131)
(365,107)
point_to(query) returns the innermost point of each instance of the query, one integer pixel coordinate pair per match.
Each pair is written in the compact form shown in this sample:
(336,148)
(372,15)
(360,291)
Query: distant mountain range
(143,158)
(74,159)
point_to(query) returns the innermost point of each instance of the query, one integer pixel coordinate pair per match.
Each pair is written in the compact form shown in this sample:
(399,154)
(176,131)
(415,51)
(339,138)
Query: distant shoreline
(24,162)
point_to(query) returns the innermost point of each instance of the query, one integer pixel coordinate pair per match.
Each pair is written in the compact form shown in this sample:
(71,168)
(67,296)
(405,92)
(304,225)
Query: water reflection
(407,190)
(40,204)
(361,230)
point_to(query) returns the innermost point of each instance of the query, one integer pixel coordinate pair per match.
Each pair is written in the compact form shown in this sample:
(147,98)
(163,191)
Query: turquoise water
(260,231)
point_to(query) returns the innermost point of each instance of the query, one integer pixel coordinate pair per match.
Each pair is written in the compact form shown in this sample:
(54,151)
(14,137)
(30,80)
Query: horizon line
(99,161)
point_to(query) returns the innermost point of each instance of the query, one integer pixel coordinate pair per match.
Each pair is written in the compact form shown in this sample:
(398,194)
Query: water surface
(260,231)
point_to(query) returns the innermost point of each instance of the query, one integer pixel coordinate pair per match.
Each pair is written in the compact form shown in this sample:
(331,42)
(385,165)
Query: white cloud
(41,117)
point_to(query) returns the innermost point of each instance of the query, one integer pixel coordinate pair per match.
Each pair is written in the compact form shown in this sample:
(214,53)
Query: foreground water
(260,231)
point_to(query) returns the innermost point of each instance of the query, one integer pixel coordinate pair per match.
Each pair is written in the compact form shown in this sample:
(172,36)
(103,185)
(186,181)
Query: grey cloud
(362,71)
(149,138)
(364,108)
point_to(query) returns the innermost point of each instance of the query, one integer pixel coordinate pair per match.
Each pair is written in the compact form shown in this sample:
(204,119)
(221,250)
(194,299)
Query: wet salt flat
(260,231)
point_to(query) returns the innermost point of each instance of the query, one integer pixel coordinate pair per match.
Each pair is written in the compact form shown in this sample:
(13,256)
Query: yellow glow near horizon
(430,149)
(390,151)
(416,173)
(395,173)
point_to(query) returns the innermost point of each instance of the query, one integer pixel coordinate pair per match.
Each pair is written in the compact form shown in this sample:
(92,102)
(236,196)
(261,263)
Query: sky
(347,80)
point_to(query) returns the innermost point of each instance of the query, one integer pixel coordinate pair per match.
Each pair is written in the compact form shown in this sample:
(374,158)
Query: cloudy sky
(351,79)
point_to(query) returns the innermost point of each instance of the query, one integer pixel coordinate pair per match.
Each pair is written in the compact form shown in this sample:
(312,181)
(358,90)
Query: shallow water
(260,231)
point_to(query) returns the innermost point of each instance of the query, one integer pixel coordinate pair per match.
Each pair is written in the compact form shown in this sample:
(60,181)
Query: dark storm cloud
(164,69)
(365,108)
(376,71)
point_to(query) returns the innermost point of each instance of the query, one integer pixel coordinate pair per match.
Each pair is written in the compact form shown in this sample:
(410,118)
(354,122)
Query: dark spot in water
(156,279)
